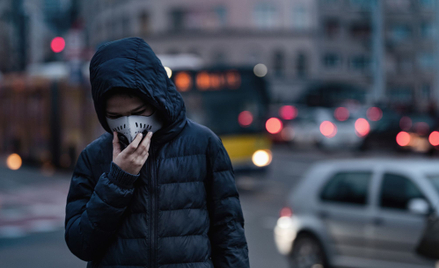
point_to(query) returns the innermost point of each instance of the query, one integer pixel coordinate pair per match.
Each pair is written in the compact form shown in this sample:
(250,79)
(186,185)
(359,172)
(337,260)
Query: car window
(347,187)
(397,191)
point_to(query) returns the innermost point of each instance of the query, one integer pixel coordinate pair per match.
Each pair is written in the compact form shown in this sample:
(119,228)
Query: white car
(319,127)
(359,213)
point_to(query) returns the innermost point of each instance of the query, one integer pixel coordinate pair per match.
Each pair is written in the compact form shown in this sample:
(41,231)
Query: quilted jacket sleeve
(229,245)
(94,209)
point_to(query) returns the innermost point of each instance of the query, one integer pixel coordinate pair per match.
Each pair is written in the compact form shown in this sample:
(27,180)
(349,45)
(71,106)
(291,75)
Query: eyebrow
(134,110)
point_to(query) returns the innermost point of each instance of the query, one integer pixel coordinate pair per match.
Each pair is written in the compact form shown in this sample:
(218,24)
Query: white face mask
(129,126)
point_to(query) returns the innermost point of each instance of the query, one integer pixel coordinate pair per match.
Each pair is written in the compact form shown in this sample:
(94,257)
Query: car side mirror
(419,206)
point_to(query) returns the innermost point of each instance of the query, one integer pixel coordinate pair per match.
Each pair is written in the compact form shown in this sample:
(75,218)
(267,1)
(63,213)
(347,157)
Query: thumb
(116,145)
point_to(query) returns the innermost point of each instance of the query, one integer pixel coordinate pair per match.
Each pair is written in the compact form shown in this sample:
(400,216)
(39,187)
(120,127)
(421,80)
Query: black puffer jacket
(182,210)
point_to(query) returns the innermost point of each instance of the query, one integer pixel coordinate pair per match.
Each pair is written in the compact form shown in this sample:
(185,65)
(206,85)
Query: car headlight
(261,158)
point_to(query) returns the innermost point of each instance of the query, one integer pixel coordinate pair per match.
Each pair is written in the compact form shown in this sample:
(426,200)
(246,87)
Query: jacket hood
(130,65)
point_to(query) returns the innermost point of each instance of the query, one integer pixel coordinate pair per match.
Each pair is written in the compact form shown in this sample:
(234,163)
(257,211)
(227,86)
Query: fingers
(134,144)
(146,143)
(116,144)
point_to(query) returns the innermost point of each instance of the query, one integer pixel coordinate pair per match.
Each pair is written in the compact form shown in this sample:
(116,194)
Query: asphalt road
(43,245)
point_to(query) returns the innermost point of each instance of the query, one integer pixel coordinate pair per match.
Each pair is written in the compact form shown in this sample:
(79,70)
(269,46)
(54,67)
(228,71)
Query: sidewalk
(31,201)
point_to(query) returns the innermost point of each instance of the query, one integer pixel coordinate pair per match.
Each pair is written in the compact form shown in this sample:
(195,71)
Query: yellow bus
(233,103)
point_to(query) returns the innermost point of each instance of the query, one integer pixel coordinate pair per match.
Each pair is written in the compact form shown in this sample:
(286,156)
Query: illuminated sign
(207,81)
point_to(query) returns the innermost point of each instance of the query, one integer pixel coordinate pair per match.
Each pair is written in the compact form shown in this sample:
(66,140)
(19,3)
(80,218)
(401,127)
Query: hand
(134,156)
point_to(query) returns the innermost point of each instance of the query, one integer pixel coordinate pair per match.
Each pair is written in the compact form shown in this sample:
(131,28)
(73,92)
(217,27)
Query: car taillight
(286,212)
(274,125)
(434,138)
(403,138)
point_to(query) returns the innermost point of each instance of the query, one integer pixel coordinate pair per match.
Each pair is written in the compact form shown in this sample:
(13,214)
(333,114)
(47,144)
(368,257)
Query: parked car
(359,213)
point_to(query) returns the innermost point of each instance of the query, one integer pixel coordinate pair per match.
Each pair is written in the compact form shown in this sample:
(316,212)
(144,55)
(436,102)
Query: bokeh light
(261,158)
(273,125)
(58,44)
(374,114)
(14,161)
(168,71)
(260,70)
(341,114)
(403,138)
(434,138)
(288,112)
(245,118)
(362,127)
(328,129)
(183,81)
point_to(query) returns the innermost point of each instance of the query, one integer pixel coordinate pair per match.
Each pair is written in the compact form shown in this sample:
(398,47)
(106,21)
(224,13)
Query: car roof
(424,166)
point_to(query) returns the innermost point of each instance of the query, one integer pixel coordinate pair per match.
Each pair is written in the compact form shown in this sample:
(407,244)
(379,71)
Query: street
(32,212)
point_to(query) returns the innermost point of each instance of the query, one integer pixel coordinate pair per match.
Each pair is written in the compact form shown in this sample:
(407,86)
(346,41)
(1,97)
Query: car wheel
(307,253)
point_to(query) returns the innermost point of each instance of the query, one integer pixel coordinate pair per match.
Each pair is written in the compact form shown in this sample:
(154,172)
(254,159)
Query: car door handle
(378,221)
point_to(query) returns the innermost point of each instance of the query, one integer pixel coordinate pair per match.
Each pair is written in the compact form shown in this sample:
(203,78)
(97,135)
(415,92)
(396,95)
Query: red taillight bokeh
(286,212)
(434,138)
(341,114)
(288,112)
(362,127)
(245,118)
(273,125)
(58,44)
(328,129)
(403,138)
(374,113)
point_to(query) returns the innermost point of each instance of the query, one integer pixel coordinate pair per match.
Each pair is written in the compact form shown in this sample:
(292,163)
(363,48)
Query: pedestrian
(167,198)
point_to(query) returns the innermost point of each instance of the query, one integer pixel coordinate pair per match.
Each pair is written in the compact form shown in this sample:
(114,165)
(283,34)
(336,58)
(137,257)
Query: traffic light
(58,44)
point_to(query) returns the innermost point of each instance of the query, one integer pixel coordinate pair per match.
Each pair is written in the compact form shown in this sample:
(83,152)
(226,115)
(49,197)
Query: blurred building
(345,46)
(277,33)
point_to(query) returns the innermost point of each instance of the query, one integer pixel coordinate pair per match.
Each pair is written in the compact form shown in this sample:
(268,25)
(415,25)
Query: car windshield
(434,178)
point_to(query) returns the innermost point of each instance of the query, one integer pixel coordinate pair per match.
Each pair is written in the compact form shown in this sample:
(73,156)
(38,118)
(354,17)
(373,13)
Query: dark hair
(121,91)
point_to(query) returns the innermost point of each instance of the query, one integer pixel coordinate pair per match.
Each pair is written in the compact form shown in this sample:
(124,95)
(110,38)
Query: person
(160,193)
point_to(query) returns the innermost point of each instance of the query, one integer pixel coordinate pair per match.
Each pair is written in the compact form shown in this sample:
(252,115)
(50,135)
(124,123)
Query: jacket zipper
(153,209)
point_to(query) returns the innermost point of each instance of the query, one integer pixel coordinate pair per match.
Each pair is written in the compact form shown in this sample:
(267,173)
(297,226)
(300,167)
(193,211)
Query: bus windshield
(227,101)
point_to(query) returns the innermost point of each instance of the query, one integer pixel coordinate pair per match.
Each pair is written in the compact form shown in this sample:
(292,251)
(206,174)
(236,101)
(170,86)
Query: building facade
(276,33)
(346,47)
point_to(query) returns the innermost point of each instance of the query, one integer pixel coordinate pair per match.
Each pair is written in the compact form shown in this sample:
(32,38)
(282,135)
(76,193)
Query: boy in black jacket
(166,199)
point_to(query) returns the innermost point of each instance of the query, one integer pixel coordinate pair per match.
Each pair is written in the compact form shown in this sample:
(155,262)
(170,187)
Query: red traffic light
(58,44)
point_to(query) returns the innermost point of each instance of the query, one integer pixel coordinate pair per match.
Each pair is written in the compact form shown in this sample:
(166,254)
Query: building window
(265,15)
(426,3)
(332,27)
(177,18)
(301,64)
(301,18)
(360,30)
(221,13)
(278,62)
(360,63)
(400,32)
(427,30)
(361,4)
(401,94)
(331,60)
(426,60)
(144,23)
